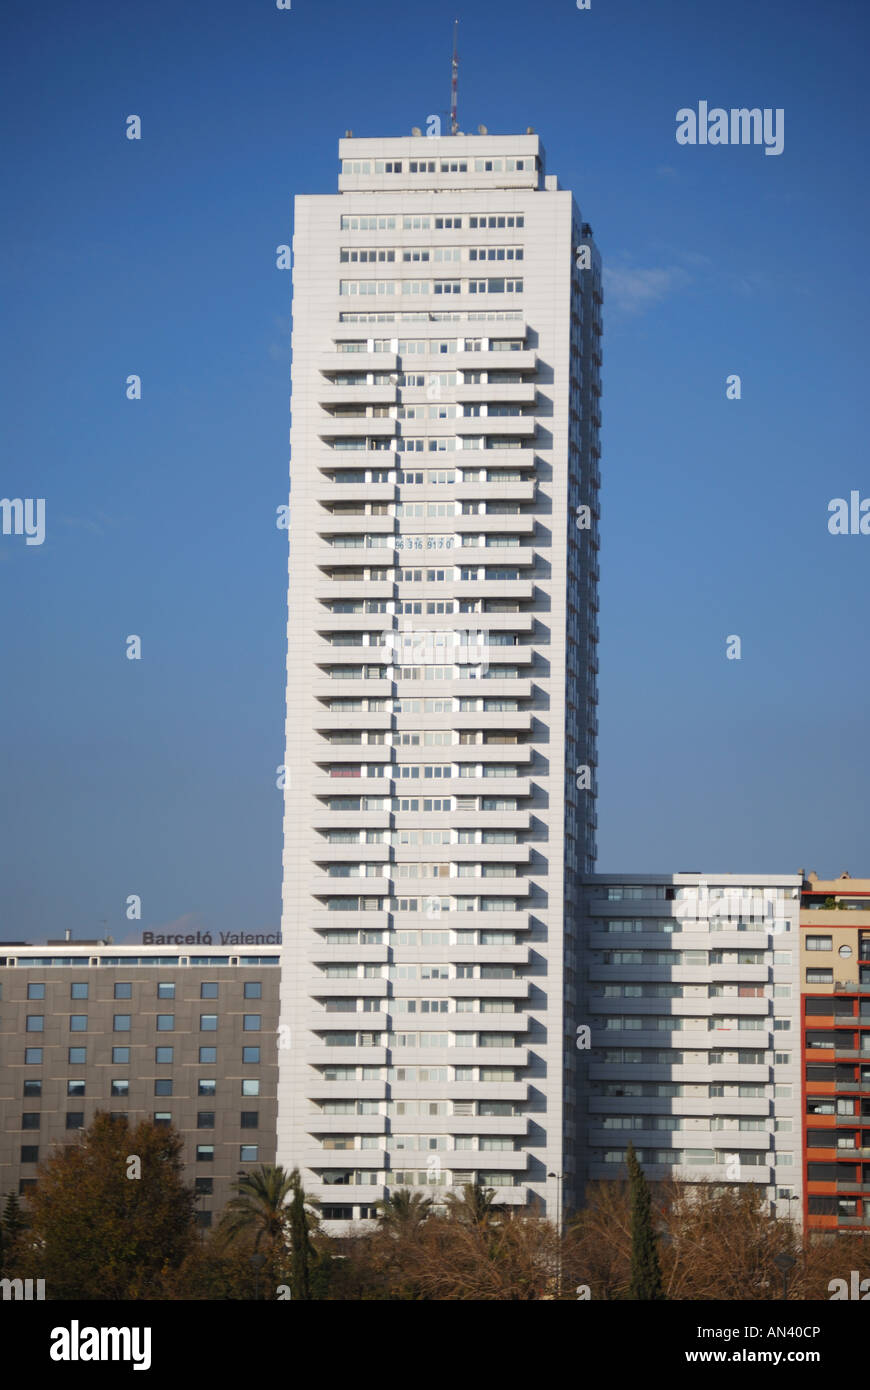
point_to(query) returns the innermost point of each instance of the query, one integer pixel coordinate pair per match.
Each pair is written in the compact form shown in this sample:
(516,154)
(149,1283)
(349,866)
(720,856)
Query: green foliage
(646,1274)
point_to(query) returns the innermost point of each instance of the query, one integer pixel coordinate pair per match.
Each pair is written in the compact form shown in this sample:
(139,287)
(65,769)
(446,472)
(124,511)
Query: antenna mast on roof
(454,79)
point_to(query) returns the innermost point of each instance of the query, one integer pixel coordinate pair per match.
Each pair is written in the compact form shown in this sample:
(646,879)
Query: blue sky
(157,257)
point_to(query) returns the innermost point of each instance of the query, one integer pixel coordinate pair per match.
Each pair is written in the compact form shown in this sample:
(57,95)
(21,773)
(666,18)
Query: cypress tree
(646,1274)
(300,1242)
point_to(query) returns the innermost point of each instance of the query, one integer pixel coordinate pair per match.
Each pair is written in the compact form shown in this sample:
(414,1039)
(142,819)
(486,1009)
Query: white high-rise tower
(441,693)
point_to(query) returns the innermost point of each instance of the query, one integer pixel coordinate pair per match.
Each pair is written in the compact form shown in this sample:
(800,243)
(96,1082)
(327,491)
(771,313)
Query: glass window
(163,1086)
(253,989)
(120,1087)
(205,1153)
(121,1023)
(78,1023)
(75,1088)
(165,1023)
(36,991)
(35,1023)
(251,1086)
(166,990)
(252,1023)
(32,1056)
(208,989)
(207,1086)
(208,1023)
(33,1088)
(75,1119)
(123,989)
(164,1054)
(78,1056)
(208,1054)
(30,1119)
(205,1119)
(250,1119)
(162,1117)
(121,1055)
(78,990)
(248,1153)
(250,1054)
(205,1185)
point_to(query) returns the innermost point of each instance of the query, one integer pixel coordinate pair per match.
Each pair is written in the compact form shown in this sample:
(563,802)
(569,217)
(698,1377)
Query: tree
(13,1224)
(259,1209)
(476,1206)
(301,1251)
(104,1226)
(403,1212)
(646,1274)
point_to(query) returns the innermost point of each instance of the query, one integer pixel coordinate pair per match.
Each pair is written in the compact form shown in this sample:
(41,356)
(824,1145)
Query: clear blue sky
(157,257)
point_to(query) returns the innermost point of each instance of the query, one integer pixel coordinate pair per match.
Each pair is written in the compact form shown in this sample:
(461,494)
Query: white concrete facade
(441,691)
(692,994)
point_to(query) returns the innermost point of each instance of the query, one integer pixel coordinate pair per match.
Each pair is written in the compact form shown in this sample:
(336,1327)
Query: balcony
(318,1123)
(323,954)
(317,1088)
(330,363)
(509,392)
(334,590)
(504,426)
(345,524)
(471,491)
(489,523)
(329,394)
(320,986)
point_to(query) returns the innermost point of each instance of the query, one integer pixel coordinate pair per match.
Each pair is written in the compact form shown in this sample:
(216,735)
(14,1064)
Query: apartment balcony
(329,557)
(351,854)
(373,1160)
(356,427)
(465,1056)
(323,919)
(324,819)
(322,885)
(330,363)
(483,1124)
(334,590)
(459,921)
(349,721)
(318,1088)
(328,394)
(496,556)
(481,588)
(470,491)
(485,854)
(424,623)
(328,624)
(346,1194)
(355,688)
(508,392)
(492,754)
(510,721)
(729,1072)
(323,954)
(338,754)
(463,1090)
(318,1055)
(331,490)
(318,1123)
(686,1106)
(320,986)
(478,989)
(344,524)
(521,360)
(491,523)
(504,426)
(482,820)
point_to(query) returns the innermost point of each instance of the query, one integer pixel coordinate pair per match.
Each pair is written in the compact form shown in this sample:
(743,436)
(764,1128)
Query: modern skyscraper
(441,692)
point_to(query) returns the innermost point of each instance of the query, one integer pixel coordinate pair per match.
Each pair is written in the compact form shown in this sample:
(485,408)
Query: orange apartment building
(835,1040)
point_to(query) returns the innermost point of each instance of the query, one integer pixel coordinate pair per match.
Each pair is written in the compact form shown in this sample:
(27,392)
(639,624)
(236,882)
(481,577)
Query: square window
(33,1056)
(36,991)
(121,1055)
(24,1184)
(208,1054)
(35,1023)
(78,1056)
(123,990)
(251,1023)
(30,1119)
(78,1023)
(29,1153)
(208,989)
(207,1086)
(166,990)
(250,1086)
(208,1023)
(205,1185)
(78,989)
(75,1119)
(205,1119)
(164,1054)
(165,1023)
(75,1088)
(121,1087)
(202,1218)
(250,1054)
(33,1088)
(250,1119)
(162,1117)
(248,1153)
(205,1153)
(163,1086)
(253,989)
(121,1023)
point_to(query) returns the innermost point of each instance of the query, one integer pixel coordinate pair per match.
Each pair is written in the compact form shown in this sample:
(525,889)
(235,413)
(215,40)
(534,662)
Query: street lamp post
(785,1264)
(558,1177)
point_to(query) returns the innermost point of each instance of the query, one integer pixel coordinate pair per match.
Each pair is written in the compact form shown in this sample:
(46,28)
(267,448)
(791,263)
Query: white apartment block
(692,994)
(441,690)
